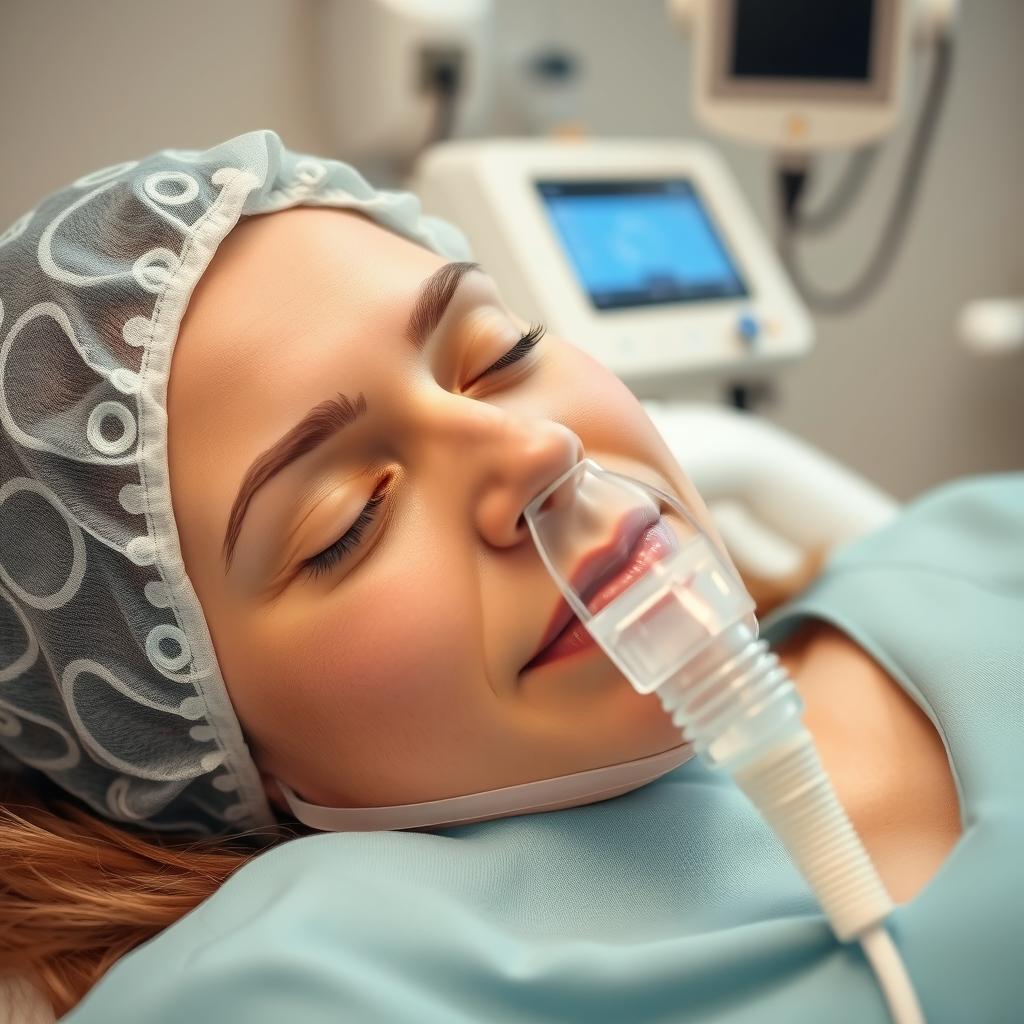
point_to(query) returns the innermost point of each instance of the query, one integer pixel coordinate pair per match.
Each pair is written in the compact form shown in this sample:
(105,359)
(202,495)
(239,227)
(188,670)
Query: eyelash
(322,563)
(329,557)
(520,349)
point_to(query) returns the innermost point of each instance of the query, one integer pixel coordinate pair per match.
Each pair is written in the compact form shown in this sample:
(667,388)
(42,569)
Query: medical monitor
(799,74)
(642,253)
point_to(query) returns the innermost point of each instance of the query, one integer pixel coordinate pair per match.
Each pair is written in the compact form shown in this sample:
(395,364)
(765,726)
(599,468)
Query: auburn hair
(77,893)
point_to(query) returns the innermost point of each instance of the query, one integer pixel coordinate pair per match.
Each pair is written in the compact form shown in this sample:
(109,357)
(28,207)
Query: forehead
(281,283)
(286,304)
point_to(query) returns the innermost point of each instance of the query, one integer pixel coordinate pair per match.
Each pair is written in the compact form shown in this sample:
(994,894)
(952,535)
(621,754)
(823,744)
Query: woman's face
(390,669)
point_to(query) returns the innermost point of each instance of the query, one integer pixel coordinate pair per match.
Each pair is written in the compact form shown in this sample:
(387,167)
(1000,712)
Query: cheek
(609,417)
(372,676)
(602,410)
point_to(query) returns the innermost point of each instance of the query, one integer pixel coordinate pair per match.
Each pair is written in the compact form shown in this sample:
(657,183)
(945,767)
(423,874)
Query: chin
(593,709)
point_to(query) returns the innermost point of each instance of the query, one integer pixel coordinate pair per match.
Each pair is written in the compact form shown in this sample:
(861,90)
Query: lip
(641,538)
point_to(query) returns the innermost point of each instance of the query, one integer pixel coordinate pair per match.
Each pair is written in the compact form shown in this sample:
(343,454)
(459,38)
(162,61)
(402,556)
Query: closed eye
(347,542)
(327,559)
(520,349)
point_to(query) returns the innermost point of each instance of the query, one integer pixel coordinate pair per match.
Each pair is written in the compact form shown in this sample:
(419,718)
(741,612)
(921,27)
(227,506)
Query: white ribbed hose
(739,708)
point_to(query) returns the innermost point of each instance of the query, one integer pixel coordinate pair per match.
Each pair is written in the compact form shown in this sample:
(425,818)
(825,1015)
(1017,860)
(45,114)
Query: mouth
(641,539)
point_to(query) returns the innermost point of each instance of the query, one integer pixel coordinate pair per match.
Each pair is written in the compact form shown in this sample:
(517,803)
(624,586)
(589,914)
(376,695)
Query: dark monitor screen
(641,243)
(803,39)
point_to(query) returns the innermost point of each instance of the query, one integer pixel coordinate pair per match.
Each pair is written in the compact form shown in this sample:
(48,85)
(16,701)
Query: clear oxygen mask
(659,598)
(637,569)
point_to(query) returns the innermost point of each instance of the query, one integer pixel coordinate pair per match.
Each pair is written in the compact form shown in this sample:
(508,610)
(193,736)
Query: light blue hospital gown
(671,903)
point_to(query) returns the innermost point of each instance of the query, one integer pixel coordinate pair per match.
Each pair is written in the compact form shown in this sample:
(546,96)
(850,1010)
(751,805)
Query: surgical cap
(109,683)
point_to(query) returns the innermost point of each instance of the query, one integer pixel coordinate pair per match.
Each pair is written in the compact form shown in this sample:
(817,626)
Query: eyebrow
(326,419)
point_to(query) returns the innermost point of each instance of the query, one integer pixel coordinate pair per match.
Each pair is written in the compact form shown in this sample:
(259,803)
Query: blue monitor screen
(640,243)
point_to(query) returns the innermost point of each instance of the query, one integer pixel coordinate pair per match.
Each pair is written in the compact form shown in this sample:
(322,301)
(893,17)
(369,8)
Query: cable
(441,77)
(747,395)
(891,972)
(855,173)
(739,396)
(791,183)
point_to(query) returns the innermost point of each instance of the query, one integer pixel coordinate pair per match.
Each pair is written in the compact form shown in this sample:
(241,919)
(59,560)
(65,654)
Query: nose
(524,455)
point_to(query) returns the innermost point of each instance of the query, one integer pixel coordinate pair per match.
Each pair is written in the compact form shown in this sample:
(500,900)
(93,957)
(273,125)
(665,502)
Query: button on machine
(748,327)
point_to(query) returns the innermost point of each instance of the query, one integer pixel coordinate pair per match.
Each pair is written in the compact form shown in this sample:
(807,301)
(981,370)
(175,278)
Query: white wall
(889,389)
